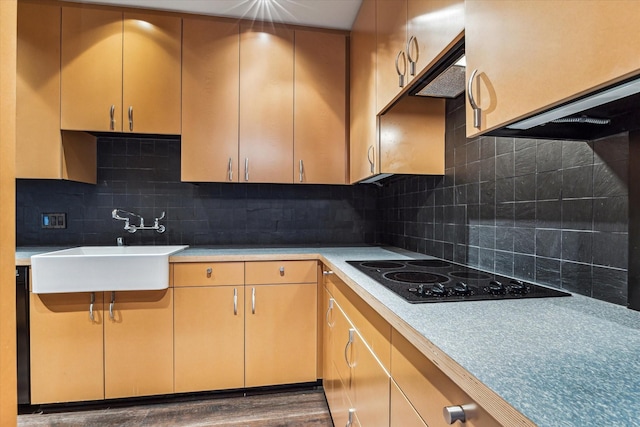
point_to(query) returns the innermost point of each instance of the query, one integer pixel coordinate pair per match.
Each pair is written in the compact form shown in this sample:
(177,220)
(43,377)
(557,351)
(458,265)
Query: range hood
(605,112)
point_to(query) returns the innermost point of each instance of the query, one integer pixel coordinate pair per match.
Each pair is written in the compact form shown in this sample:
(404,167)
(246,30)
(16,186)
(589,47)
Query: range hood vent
(446,79)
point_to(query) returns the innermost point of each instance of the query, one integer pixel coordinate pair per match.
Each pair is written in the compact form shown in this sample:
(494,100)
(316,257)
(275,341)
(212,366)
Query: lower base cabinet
(66,348)
(402,412)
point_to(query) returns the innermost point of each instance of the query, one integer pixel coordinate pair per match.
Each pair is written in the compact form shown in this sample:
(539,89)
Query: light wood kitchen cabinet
(266,103)
(210,100)
(402,412)
(550,68)
(208,326)
(138,343)
(120,71)
(428,389)
(363,126)
(42,150)
(66,347)
(320,133)
(280,322)
(391,66)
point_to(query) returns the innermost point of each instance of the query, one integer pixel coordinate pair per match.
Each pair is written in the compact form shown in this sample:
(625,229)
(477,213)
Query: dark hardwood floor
(306,408)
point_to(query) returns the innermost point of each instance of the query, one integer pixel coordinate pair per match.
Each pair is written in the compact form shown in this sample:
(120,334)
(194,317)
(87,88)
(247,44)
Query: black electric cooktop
(436,280)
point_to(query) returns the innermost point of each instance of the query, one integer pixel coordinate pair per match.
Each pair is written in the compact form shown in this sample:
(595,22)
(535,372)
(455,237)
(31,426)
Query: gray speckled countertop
(570,361)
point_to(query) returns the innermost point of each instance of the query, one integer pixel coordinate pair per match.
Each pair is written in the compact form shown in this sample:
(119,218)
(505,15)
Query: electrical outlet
(53,220)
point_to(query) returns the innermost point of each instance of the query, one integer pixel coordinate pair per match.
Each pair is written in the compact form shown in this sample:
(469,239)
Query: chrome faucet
(115,214)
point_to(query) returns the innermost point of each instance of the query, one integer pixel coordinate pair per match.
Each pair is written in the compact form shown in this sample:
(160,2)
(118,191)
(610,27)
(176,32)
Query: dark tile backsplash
(143,176)
(555,212)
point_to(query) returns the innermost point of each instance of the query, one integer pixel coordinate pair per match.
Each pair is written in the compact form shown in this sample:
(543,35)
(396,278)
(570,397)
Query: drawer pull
(352,333)
(235,301)
(253,300)
(327,273)
(113,301)
(93,300)
(350,419)
(209,272)
(282,271)
(329,310)
(458,413)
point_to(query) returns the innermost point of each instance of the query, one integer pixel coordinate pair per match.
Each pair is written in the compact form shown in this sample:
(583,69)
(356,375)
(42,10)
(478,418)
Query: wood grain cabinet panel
(280,334)
(320,143)
(120,71)
(402,412)
(138,344)
(209,338)
(363,133)
(266,103)
(427,388)
(542,38)
(273,272)
(66,348)
(91,79)
(210,100)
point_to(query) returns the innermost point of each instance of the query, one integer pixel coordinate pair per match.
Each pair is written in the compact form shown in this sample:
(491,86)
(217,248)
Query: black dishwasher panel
(22,343)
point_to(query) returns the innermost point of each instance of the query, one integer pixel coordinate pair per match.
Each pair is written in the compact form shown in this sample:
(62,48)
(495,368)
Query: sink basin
(102,268)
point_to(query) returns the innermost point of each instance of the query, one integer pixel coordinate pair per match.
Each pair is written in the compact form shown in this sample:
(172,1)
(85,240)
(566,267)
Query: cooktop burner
(436,280)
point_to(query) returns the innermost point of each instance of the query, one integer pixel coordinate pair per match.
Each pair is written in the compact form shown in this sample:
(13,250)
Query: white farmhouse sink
(102,268)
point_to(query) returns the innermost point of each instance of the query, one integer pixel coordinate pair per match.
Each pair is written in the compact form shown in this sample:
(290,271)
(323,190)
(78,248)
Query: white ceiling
(338,14)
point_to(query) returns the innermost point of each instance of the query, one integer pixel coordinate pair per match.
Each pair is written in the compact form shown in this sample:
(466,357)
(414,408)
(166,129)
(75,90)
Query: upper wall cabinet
(411,36)
(320,128)
(210,100)
(555,52)
(42,151)
(120,71)
(266,103)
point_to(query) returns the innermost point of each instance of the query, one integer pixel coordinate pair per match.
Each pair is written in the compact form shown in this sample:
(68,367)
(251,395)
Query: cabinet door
(209,338)
(210,100)
(66,348)
(266,103)
(91,76)
(151,73)
(138,343)
(280,334)
(38,147)
(363,136)
(391,29)
(435,26)
(561,51)
(320,145)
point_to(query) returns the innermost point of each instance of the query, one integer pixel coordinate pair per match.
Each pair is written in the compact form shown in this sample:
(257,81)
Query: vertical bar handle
(131,118)
(350,419)
(371,157)
(235,301)
(329,310)
(413,43)
(113,301)
(230,170)
(246,169)
(253,300)
(352,333)
(477,117)
(93,300)
(401,74)
(301,170)
(112,117)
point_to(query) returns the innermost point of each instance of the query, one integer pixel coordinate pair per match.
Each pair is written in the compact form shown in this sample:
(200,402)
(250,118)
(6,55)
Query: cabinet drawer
(208,274)
(275,272)
(428,389)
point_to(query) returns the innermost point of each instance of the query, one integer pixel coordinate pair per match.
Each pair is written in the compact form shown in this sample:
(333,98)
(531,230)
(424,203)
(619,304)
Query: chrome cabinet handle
(93,300)
(458,413)
(327,273)
(352,333)
(112,117)
(301,170)
(350,419)
(230,170)
(282,271)
(131,118)
(329,310)
(371,157)
(113,301)
(476,110)
(209,272)
(401,74)
(253,300)
(413,42)
(246,169)
(235,301)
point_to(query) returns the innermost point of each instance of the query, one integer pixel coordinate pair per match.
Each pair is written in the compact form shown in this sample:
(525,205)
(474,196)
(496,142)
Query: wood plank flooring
(306,408)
